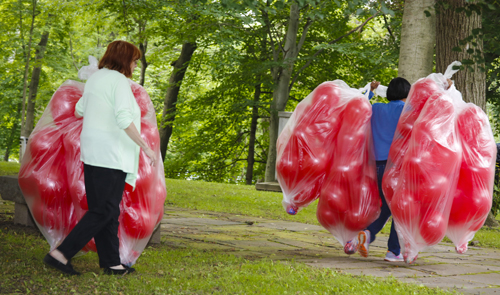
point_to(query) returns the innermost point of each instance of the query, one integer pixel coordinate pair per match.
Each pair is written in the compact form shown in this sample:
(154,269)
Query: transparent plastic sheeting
(439,176)
(51,175)
(325,151)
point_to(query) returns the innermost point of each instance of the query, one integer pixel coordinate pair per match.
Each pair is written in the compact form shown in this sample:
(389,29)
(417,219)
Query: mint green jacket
(108,107)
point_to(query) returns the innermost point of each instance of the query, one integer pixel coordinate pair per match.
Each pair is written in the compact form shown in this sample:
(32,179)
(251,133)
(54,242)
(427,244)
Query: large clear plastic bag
(51,175)
(474,195)
(325,151)
(424,166)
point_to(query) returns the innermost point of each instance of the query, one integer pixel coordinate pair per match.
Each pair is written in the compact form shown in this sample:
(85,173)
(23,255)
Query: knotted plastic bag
(473,196)
(304,147)
(422,199)
(424,165)
(325,151)
(349,199)
(51,175)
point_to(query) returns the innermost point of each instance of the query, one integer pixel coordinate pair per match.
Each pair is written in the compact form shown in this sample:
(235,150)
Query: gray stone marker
(10,191)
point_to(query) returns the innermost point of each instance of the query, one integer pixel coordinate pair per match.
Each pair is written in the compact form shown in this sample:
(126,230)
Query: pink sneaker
(393,258)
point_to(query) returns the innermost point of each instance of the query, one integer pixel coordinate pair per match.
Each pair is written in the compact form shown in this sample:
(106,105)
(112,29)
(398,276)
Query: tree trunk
(27,57)
(418,31)
(282,91)
(35,79)
(452,27)
(253,131)
(169,107)
(143,46)
(12,136)
(491,221)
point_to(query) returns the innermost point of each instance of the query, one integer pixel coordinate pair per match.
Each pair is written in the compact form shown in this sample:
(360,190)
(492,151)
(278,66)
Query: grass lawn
(164,270)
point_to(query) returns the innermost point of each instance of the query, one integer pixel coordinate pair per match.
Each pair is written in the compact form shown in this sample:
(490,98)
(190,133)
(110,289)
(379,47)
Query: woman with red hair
(109,143)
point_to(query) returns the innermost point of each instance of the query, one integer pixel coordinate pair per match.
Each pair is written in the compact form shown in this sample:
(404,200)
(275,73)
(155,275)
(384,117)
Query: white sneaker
(393,258)
(351,247)
(364,243)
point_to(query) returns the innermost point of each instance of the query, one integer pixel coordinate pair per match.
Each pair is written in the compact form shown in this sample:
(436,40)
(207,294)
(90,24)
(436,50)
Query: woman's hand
(151,155)
(133,133)
(374,85)
(449,83)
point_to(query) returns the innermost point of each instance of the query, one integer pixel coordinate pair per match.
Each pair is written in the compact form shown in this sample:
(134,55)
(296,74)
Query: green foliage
(211,136)
(495,208)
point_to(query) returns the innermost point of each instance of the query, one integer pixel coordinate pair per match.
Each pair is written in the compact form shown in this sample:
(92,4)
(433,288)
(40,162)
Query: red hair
(119,56)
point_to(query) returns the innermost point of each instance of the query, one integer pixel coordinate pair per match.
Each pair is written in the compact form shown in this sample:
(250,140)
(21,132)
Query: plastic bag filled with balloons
(436,169)
(51,175)
(325,150)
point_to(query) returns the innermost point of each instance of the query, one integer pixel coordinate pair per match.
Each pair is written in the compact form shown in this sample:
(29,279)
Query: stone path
(475,272)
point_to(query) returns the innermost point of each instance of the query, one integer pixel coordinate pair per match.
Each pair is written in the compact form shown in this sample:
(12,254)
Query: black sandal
(127,270)
(65,268)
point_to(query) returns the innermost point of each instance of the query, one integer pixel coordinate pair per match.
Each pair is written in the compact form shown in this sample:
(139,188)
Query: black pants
(104,188)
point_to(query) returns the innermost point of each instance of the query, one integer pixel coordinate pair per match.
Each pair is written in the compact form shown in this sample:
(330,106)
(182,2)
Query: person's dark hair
(119,56)
(398,89)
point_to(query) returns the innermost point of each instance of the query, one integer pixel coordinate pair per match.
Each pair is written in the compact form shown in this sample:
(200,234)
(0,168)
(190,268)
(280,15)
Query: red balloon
(436,189)
(404,207)
(469,208)
(325,215)
(357,114)
(51,183)
(433,227)
(44,143)
(45,216)
(138,223)
(63,102)
(335,196)
(417,97)
(151,135)
(141,97)
(326,94)
(27,182)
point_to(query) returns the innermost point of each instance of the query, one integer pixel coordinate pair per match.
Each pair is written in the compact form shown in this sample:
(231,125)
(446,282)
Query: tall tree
(418,35)
(169,109)
(27,56)
(459,24)
(286,50)
(33,89)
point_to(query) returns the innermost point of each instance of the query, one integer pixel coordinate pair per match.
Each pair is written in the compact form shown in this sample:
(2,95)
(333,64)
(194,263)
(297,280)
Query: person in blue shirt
(385,117)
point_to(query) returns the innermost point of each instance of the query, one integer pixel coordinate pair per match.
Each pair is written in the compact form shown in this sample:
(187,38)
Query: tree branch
(308,63)
(71,51)
(389,29)
(304,33)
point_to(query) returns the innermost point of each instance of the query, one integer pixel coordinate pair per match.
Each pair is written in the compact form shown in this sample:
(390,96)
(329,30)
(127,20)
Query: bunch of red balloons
(474,194)
(51,175)
(431,177)
(325,151)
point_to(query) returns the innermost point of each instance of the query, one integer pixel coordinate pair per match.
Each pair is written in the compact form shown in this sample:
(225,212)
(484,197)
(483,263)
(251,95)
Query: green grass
(162,270)
(230,198)
(9,168)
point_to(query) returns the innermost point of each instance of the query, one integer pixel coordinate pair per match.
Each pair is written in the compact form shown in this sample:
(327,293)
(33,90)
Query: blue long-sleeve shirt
(385,117)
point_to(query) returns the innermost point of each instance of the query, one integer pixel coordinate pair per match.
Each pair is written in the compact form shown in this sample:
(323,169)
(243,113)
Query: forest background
(216,71)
